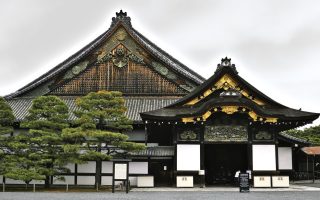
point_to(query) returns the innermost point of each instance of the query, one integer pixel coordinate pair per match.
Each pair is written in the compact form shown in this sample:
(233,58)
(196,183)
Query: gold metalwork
(229,109)
(187,119)
(226,82)
(206,115)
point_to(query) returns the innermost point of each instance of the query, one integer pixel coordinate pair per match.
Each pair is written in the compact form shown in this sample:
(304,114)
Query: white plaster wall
(86,180)
(39,182)
(262,181)
(12,181)
(188,157)
(69,180)
(107,167)
(138,168)
(71,166)
(89,167)
(133,180)
(285,158)
(106,180)
(264,157)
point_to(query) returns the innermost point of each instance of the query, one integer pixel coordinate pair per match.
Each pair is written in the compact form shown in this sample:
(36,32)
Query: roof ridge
(198,76)
(123,19)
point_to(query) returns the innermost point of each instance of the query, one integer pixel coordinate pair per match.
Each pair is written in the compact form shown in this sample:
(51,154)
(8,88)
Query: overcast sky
(275,45)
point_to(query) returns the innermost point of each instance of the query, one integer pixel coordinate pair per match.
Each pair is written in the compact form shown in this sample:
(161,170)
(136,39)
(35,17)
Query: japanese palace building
(197,131)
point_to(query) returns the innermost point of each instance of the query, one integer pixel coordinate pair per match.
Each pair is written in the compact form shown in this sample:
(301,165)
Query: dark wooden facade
(227,117)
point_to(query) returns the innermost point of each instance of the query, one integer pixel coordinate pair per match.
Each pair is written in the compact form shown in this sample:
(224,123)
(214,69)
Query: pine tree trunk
(47,182)
(98,170)
(98,173)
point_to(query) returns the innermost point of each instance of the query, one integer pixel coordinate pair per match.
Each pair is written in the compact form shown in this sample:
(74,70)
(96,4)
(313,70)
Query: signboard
(244,182)
(120,171)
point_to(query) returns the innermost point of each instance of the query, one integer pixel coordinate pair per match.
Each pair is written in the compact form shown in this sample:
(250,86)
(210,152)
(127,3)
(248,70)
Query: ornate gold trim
(231,110)
(226,82)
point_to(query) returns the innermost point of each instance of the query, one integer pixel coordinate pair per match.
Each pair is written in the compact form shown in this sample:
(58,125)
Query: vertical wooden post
(34,187)
(313,178)
(3,187)
(308,166)
(146,134)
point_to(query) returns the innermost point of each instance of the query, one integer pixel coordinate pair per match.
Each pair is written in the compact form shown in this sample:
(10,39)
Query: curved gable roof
(123,20)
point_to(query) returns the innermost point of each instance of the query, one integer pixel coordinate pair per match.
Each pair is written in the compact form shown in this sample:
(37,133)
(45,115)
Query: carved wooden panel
(225,133)
(130,78)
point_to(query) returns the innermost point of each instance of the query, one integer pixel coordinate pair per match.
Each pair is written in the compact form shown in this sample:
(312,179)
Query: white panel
(106,180)
(107,167)
(133,180)
(188,157)
(184,181)
(12,181)
(262,181)
(285,158)
(138,168)
(39,182)
(264,157)
(145,181)
(1,179)
(86,180)
(280,181)
(89,167)
(120,171)
(69,180)
(70,166)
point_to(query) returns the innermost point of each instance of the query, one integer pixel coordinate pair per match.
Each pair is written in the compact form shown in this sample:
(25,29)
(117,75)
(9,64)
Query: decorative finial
(226,63)
(121,16)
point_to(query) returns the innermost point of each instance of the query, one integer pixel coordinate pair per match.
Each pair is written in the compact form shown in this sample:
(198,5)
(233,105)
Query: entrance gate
(223,160)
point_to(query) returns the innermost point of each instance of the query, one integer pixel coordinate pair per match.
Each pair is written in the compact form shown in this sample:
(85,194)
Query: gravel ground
(310,195)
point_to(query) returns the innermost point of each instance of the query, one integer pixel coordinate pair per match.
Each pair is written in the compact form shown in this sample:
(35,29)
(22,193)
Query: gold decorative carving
(226,82)
(121,34)
(230,109)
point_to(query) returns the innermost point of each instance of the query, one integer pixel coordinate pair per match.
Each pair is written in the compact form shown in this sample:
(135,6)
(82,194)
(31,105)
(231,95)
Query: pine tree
(310,134)
(47,117)
(100,124)
(6,129)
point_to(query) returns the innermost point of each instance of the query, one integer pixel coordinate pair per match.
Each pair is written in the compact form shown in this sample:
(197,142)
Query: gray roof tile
(135,105)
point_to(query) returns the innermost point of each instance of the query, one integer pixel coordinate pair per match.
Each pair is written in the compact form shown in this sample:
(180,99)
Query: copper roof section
(311,150)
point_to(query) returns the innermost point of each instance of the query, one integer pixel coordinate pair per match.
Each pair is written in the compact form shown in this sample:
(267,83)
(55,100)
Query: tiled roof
(292,139)
(125,21)
(135,105)
(158,151)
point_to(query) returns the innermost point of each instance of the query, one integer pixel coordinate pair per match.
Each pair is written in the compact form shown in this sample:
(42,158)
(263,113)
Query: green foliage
(47,117)
(311,134)
(6,122)
(100,124)
(105,110)
(6,119)
(20,162)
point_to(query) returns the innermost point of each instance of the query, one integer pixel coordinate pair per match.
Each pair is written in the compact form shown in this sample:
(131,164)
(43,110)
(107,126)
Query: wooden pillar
(313,178)
(202,157)
(76,174)
(308,166)
(174,133)
(146,134)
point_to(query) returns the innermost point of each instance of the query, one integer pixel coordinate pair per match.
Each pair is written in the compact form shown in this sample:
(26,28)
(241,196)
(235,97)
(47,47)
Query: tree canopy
(311,134)
(100,123)
(48,116)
